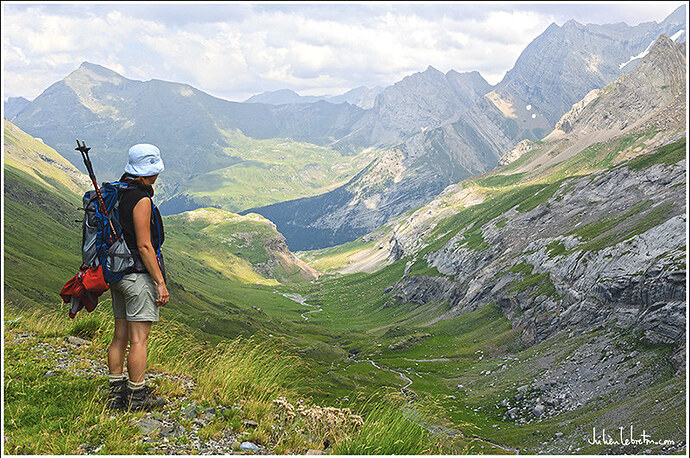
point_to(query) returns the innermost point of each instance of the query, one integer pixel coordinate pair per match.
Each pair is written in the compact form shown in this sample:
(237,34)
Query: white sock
(116,377)
(134,386)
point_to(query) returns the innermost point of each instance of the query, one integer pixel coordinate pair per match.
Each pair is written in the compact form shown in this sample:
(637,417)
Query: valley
(473,268)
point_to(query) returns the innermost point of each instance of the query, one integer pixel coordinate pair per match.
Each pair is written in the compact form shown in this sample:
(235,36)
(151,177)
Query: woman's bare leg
(138,340)
(118,347)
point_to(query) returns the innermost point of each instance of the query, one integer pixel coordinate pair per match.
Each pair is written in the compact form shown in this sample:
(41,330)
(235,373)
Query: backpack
(103,243)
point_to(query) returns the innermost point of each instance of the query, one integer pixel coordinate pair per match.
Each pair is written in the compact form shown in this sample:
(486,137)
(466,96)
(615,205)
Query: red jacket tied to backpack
(83,289)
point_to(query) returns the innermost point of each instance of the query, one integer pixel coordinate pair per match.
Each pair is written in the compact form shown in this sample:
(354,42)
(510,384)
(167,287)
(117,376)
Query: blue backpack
(103,243)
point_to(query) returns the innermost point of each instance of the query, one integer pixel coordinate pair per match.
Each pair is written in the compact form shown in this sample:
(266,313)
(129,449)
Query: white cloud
(234,51)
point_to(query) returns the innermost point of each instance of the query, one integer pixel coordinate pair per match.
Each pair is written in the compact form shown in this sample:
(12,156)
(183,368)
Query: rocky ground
(163,428)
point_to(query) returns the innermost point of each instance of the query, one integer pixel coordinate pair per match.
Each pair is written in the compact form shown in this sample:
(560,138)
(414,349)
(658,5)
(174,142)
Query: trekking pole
(89,168)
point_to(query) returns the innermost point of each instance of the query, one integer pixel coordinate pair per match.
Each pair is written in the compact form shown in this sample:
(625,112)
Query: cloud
(236,50)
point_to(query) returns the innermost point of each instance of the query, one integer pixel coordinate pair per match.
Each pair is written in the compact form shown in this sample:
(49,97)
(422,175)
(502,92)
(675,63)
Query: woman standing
(138,297)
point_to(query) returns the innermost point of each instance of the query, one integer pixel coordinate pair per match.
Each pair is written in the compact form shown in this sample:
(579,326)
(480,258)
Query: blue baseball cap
(144,160)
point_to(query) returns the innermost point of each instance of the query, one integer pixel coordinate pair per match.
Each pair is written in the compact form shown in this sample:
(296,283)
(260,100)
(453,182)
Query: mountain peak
(95,72)
(662,42)
(661,51)
(678,15)
(14,105)
(572,24)
(432,70)
(96,68)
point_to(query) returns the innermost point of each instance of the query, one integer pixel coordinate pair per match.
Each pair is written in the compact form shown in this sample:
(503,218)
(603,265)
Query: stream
(302,301)
(408,411)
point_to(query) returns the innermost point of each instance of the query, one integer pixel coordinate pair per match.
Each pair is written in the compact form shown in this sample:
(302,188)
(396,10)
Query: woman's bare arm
(142,228)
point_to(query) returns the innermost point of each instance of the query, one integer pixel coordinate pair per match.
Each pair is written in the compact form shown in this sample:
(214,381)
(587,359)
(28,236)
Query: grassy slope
(57,413)
(273,170)
(243,241)
(215,297)
(332,258)
(42,163)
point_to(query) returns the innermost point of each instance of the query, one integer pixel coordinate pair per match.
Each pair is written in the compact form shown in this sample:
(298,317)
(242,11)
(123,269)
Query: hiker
(137,298)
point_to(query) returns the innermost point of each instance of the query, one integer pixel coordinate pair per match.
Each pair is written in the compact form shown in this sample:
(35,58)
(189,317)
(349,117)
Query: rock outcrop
(605,248)
(514,154)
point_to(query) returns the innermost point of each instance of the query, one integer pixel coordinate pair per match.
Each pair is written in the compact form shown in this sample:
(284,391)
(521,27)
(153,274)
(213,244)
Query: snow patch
(639,56)
(677,35)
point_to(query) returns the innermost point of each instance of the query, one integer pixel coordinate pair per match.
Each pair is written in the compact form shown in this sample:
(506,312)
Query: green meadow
(273,170)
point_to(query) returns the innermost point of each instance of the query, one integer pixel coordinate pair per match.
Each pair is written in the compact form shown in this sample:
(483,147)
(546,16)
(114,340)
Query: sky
(235,50)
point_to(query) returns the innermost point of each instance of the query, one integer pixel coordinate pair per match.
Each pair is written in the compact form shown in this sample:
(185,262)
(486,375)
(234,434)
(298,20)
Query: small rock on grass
(149,425)
(174,430)
(315,452)
(76,340)
(250,423)
(249,446)
(190,412)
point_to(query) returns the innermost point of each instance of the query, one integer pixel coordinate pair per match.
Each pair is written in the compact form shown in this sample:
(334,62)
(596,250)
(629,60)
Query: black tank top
(128,201)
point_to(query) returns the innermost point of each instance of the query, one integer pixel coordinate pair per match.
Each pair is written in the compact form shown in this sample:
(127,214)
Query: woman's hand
(163,295)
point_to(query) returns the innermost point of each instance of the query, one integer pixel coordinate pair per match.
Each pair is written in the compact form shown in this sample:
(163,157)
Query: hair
(139,181)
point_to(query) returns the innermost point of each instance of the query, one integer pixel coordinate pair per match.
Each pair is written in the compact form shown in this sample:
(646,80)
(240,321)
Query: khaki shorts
(134,298)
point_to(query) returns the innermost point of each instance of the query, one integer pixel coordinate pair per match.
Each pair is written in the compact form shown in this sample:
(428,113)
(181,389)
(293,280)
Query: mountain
(434,129)
(570,259)
(653,92)
(14,105)
(281,97)
(195,131)
(209,143)
(648,102)
(562,186)
(362,97)
(461,139)
(637,114)
(566,62)
(45,188)
(399,179)
(424,100)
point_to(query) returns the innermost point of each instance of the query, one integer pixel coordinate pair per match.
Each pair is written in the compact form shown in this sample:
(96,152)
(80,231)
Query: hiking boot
(144,399)
(118,394)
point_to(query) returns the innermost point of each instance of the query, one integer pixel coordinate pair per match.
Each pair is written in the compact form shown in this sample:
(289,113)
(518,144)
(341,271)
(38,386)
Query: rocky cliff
(566,62)
(654,91)
(608,246)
